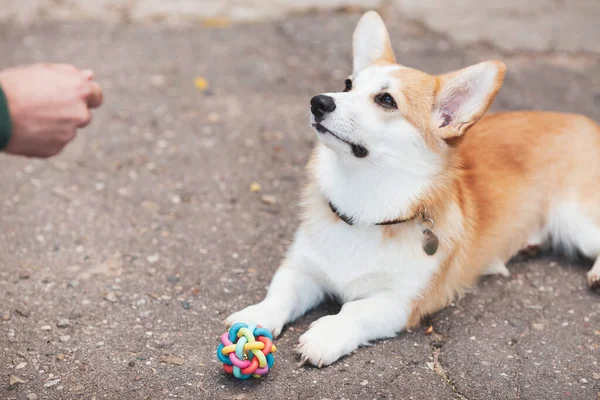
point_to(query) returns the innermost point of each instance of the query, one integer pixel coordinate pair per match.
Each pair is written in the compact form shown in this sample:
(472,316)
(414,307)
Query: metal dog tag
(430,242)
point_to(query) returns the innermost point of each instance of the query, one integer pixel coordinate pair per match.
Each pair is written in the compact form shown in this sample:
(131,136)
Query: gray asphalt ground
(144,234)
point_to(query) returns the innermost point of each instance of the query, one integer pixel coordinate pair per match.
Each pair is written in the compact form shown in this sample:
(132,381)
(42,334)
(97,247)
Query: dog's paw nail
(302,362)
(594,282)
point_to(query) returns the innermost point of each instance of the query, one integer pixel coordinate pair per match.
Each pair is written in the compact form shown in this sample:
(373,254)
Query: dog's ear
(463,97)
(371,43)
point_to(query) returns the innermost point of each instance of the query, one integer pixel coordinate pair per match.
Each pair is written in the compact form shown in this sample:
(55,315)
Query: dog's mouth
(358,150)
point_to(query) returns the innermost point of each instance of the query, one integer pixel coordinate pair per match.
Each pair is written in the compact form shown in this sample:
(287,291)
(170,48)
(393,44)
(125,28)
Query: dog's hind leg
(575,227)
(588,242)
(589,245)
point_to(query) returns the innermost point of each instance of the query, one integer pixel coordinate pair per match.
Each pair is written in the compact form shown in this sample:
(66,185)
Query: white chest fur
(354,262)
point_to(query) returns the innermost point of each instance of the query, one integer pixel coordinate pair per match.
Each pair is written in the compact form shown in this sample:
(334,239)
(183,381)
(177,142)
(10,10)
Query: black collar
(348,220)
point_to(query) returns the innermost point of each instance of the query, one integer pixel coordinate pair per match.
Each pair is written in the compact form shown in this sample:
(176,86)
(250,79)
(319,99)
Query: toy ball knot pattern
(246,351)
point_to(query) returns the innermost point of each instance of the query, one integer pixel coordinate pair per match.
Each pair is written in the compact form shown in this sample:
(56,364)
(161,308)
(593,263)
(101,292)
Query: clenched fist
(47,104)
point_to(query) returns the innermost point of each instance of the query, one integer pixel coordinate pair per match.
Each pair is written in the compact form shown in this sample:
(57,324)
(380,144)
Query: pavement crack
(438,368)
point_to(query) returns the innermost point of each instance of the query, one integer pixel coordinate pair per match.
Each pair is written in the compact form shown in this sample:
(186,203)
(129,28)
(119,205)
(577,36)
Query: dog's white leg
(589,245)
(292,292)
(575,227)
(593,275)
(497,267)
(333,336)
(588,242)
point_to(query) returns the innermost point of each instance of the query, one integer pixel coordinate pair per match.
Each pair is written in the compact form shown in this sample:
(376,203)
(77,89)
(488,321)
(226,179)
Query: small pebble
(269,199)
(60,356)
(32,396)
(23,312)
(583,380)
(51,383)
(64,338)
(255,187)
(46,328)
(21,365)
(153,259)
(186,305)
(24,275)
(63,323)
(111,296)
(132,363)
(364,383)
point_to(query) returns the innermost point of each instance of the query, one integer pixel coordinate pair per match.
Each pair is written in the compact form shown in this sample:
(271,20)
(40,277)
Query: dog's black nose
(321,104)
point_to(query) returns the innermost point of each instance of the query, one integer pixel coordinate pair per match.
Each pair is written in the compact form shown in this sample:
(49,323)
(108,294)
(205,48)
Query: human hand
(47,104)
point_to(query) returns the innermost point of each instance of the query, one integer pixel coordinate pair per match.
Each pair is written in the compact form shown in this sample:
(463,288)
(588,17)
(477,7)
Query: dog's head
(390,113)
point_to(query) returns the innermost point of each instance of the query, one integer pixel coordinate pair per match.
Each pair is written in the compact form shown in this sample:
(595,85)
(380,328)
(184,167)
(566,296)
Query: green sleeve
(5,124)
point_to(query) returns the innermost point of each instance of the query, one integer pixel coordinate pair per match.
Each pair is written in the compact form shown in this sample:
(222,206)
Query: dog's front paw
(326,341)
(260,314)
(593,278)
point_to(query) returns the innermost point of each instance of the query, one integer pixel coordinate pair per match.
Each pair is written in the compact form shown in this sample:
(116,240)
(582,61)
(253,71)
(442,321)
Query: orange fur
(504,187)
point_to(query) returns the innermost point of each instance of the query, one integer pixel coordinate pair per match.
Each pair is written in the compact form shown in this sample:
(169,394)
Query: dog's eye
(386,100)
(348,83)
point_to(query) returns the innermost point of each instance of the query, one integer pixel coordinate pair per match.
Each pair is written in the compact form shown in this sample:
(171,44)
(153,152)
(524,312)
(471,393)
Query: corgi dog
(414,194)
